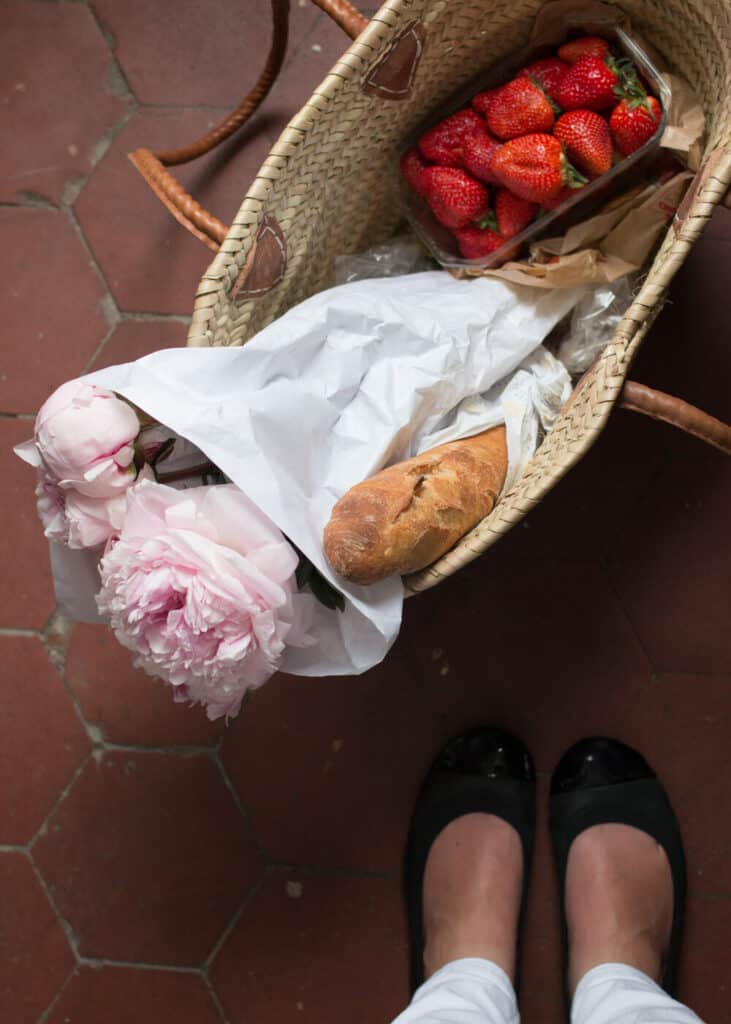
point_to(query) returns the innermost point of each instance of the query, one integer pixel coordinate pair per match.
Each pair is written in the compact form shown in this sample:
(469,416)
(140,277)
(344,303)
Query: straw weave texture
(330,182)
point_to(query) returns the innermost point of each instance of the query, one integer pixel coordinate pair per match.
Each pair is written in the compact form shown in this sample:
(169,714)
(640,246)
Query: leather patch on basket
(393,75)
(265,264)
(696,184)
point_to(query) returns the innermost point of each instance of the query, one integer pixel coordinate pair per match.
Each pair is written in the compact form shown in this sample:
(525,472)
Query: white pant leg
(467,991)
(618,994)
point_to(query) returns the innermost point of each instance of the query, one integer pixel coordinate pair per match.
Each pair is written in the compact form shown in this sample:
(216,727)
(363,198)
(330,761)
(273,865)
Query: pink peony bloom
(76,519)
(85,437)
(200,585)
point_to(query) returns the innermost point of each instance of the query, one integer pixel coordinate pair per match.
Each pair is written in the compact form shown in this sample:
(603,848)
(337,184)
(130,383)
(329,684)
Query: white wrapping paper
(354,378)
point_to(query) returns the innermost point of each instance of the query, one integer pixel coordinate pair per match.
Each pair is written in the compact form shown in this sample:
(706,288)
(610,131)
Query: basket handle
(680,414)
(153,166)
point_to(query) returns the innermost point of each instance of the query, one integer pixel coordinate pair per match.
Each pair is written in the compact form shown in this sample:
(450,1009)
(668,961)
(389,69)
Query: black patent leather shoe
(483,771)
(601,781)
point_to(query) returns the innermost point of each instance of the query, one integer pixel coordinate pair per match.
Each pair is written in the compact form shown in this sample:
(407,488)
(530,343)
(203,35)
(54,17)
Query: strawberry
(475,242)
(481,102)
(413,166)
(593,83)
(442,144)
(633,122)
(519,108)
(586,46)
(454,196)
(547,73)
(535,167)
(586,139)
(477,153)
(512,213)
(564,194)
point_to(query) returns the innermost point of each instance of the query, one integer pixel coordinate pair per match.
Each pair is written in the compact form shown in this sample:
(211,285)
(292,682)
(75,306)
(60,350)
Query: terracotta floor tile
(150,262)
(48,336)
(681,724)
(43,740)
(541,648)
(328,769)
(704,984)
(671,567)
(35,958)
(128,705)
(541,987)
(147,858)
(203,55)
(52,135)
(122,995)
(312,949)
(133,339)
(26,590)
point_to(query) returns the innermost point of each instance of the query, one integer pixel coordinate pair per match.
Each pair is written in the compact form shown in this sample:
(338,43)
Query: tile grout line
(215,998)
(243,813)
(63,793)
(220,942)
(43,1017)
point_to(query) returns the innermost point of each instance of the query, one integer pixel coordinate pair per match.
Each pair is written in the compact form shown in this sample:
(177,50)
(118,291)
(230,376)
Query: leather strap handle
(153,166)
(680,414)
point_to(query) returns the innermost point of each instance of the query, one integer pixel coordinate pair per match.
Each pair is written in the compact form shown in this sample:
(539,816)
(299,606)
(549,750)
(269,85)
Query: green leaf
(325,593)
(306,575)
(488,220)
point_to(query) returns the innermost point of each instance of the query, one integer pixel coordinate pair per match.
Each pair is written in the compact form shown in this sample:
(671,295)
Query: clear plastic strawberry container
(582,203)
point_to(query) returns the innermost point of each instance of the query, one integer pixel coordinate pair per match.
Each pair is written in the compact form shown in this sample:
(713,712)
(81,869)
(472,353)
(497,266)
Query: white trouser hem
(466,991)
(619,994)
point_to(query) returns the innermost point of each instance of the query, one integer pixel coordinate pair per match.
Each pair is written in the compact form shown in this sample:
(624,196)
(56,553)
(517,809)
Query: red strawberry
(518,108)
(593,83)
(477,153)
(512,213)
(587,141)
(587,46)
(535,167)
(455,197)
(564,194)
(633,122)
(548,73)
(481,102)
(475,242)
(442,144)
(413,166)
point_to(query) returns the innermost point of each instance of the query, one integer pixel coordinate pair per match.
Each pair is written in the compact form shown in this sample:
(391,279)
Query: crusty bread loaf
(406,516)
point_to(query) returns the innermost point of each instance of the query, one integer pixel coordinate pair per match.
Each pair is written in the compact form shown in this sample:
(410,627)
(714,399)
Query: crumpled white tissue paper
(353,379)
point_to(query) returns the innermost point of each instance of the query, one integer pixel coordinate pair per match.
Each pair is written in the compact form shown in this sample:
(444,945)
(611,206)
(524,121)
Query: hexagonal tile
(118,995)
(128,705)
(44,742)
(328,769)
(56,111)
(703,981)
(304,949)
(35,958)
(208,55)
(150,262)
(26,588)
(133,339)
(681,724)
(671,570)
(541,648)
(147,857)
(52,313)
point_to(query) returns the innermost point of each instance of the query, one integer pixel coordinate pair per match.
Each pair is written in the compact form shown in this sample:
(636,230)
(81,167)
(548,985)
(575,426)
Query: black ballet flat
(601,781)
(484,771)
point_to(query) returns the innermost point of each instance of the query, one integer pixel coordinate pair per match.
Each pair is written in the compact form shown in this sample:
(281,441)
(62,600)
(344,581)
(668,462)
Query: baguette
(405,517)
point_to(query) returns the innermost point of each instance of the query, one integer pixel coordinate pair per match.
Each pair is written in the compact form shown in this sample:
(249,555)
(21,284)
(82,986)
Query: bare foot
(472,890)
(619,901)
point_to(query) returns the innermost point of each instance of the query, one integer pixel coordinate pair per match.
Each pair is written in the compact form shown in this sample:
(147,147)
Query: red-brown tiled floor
(155,866)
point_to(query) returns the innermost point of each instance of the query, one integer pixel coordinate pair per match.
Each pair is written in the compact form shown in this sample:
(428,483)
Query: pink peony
(200,585)
(85,437)
(76,519)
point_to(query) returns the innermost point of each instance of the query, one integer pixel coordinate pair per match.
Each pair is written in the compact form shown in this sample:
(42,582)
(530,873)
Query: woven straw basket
(328,187)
